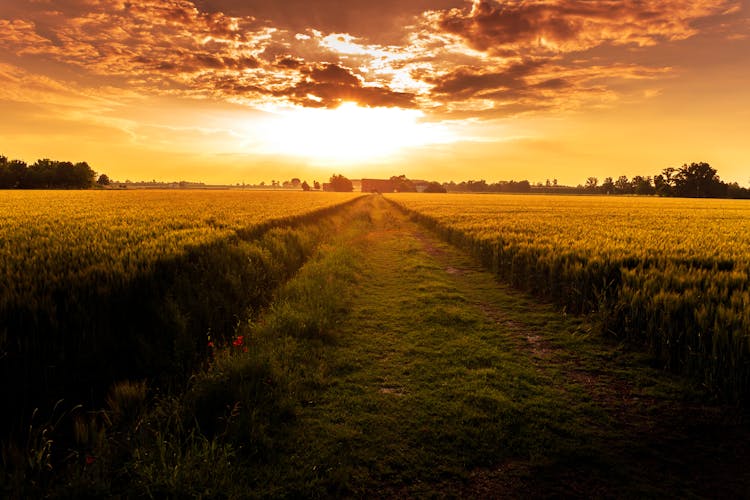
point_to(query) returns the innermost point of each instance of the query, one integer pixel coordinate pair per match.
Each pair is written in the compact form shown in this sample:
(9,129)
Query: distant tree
(622,185)
(340,183)
(305,186)
(83,175)
(523,186)
(661,187)
(608,186)
(698,180)
(591,183)
(316,185)
(103,180)
(435,187)
(402,185)
(10,172)
(479,186)
(642,185)
(669,174)
(734,190)
(554,182)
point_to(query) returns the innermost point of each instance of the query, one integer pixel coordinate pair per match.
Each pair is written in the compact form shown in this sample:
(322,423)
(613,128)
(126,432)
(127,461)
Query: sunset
(374,249)
(244,91)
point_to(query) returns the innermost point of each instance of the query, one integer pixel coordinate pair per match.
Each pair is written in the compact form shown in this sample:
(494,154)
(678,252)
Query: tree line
(482,186)
(694,180)
(47,174)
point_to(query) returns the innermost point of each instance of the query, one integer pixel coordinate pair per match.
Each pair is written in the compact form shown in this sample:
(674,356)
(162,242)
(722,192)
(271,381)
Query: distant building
(377,186)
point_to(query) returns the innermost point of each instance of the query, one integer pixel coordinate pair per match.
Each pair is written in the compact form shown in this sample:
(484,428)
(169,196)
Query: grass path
(442,382)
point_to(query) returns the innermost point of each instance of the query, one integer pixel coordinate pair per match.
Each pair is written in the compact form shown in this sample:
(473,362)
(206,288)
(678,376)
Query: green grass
(439,377)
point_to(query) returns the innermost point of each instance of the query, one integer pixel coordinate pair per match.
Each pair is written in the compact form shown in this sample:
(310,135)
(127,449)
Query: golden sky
(227,91)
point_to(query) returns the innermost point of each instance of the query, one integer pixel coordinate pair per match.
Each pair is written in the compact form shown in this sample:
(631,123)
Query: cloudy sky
(250,90)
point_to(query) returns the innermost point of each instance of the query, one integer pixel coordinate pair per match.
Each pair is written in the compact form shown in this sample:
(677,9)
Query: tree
(523,186)
(435,187)
(340,183)
(479,186)
(103,180)
(83,175)
(698,180)
(305,186)
(668,174)
(642,185)
(591,183)
(661,187)
(622,185)
(402,185)
(316,185)
(608,186)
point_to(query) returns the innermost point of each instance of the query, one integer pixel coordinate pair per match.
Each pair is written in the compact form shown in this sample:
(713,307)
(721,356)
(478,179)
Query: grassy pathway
(442,382)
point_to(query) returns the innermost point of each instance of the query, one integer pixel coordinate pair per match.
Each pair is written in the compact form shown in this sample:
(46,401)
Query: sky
(233,91)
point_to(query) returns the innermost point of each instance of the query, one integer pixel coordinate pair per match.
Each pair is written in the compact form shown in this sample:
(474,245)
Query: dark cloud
(464,83)
(563,26)
(379,21)
(331,73)
(289,62)
(329,85)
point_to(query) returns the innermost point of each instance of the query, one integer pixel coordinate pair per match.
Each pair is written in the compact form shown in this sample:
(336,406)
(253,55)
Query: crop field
(671,274)
(98,285)
(203,344)
(58,236)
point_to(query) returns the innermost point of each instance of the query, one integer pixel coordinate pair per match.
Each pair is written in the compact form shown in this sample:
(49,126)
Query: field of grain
(50,237)
(99,285)
(671,274)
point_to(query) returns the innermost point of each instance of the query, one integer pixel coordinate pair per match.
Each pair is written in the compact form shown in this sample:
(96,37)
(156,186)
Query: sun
(347,134)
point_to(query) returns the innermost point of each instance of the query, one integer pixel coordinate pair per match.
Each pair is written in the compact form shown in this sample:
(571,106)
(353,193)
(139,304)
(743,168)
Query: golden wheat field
(673,274)
(53,237)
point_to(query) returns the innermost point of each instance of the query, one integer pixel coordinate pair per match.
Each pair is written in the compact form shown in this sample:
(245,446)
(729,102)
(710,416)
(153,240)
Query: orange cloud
(330,85)
(549,26)
(480,58)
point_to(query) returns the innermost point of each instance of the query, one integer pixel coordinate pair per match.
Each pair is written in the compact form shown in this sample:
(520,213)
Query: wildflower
(90,460)
(238,341)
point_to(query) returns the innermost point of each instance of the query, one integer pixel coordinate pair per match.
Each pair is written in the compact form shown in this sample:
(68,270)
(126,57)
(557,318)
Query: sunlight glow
(349,133)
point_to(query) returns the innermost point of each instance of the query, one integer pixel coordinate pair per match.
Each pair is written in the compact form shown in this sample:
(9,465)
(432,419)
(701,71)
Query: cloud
(492,58)
(549,26)
(330,85)
(380,22)
(466,82)
(480,58)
